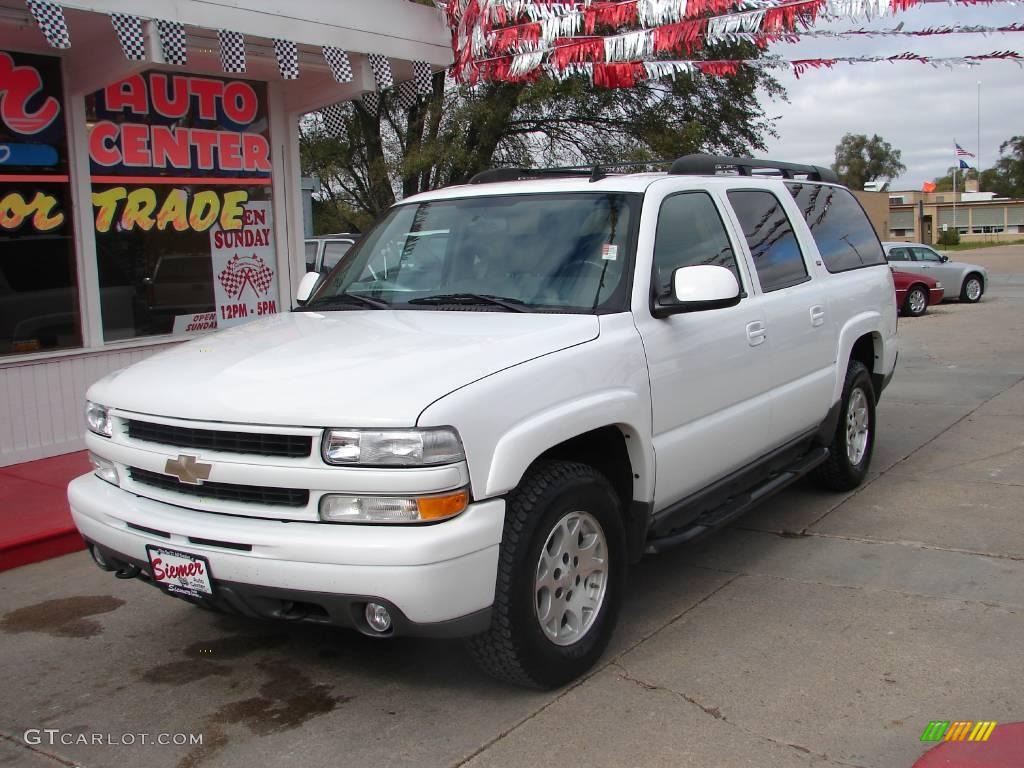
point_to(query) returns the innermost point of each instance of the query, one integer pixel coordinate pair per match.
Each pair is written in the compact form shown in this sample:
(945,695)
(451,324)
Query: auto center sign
(181,171)
(160,147)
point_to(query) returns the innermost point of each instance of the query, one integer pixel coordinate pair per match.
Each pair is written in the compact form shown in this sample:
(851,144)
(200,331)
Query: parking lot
(818,630)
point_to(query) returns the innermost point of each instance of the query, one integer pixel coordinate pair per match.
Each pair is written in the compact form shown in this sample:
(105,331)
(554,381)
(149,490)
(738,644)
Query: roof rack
(709,165)
(595,172)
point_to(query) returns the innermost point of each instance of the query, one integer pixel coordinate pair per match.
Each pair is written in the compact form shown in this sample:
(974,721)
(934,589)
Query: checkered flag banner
(381,71)
(407,94)
(334,120)
(338,61)
(371,100)
(422,76)
(129,34)
(287,58)
(242,270)
(50,19)
(172,41)
(232,50)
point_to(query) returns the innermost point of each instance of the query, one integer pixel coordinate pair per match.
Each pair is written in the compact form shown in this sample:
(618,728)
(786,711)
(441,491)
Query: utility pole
(978,158)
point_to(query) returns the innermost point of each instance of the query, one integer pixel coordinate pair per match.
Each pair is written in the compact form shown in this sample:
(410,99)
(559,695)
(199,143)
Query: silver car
(968,281)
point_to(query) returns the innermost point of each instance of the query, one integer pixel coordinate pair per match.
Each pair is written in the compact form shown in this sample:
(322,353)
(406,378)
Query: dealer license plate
(179,572)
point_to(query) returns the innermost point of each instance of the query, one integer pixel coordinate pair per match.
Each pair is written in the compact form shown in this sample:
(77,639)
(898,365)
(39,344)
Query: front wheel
(854,440)
(561,573)
(972,289)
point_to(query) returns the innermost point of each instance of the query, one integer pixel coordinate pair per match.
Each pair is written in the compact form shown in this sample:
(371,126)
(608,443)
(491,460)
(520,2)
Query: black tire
(515,648)
(915,291)
(838,472)
(965,290)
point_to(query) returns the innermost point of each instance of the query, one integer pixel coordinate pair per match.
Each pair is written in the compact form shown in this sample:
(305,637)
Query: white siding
(41,402)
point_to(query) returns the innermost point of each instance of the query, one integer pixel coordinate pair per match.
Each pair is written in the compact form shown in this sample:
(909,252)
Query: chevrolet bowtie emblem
(188,469)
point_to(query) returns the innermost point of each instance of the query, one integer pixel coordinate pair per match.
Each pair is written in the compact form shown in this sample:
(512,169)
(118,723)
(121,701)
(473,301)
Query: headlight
(343,508)
(392,447)
(938,284)
(97,418)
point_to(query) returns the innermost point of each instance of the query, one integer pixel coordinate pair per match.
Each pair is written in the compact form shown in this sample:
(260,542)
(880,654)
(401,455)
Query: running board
(740,504)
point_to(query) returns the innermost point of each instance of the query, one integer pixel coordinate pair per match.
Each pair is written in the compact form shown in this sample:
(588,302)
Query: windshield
(532,252)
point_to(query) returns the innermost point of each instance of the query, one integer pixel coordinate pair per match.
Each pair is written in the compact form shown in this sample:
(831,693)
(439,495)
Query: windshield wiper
(513,305)
(348,298)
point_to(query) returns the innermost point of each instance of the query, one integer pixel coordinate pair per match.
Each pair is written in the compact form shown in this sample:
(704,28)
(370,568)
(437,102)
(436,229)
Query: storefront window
(181,200)
(38,281)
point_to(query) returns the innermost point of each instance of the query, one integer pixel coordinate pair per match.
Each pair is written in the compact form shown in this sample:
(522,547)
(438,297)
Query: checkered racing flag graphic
(232,50)
(172,41)
(287,54)
(423,77)
(381,71)
(407,94)
(129,34)
(338,61)
(334,120)
(371,100)
(246,270)
(50,18)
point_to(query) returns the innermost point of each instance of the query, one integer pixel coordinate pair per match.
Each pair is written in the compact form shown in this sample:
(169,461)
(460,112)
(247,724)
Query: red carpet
(1004,749)
(35,523)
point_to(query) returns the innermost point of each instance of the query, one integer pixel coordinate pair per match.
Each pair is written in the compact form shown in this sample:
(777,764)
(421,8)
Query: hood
(350,368)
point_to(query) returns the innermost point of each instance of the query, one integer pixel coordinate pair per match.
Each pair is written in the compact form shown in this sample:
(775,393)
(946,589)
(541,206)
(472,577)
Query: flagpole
(956,168)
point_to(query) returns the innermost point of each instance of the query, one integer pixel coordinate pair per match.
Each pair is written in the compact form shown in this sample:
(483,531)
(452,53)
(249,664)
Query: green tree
(860,160)
(1005,178)
(945,183)
(460,130)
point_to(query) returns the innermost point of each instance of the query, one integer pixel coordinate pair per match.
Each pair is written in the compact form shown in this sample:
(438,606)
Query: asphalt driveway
(820,630)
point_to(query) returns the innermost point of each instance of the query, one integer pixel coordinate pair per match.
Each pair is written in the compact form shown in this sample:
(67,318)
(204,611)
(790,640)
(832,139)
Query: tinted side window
(926,254)
(841,229)
(769,234)
(899,254)
(690,233)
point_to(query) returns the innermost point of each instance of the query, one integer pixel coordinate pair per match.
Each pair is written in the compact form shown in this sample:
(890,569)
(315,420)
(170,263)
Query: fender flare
(520,446)
(863,324)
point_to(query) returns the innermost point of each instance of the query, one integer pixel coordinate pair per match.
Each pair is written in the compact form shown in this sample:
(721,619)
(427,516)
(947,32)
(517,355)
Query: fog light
(103,469)
(377,617)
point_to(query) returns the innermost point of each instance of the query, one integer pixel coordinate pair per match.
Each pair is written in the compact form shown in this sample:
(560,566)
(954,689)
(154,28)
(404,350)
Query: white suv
(519,386)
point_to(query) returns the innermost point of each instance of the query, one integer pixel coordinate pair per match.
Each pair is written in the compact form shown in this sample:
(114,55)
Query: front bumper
(441,574)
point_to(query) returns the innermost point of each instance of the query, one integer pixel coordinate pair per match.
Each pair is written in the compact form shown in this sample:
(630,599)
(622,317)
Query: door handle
(756,333)
(817,315)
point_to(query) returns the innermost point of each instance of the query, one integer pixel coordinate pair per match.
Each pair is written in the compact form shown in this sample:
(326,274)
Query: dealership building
(149,175)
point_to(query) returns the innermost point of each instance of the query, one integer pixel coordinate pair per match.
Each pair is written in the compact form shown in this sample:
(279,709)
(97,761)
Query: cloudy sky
(916,108)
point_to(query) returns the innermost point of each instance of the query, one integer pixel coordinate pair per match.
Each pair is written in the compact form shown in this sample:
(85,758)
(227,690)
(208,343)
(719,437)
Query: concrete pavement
(820,630)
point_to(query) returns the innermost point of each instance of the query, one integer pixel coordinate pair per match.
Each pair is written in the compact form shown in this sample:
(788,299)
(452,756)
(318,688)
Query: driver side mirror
(699,288)
(943,258)
(307,285)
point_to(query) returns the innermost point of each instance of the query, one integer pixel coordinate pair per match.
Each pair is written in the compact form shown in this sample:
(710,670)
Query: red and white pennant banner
(519,40)
(621,75)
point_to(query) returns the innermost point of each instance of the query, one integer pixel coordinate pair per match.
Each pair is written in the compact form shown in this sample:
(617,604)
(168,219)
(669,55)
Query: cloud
(916,108)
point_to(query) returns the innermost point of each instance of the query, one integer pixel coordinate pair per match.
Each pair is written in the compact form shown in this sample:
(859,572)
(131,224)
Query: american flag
(961,152)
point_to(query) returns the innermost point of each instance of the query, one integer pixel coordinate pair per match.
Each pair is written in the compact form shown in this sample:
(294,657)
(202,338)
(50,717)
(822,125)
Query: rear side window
(690,233)
(899,254)
(770,236)
(842,231)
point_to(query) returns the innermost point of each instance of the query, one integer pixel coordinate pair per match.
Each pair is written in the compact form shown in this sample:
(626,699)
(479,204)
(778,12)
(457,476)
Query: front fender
(507,420)
(524,442)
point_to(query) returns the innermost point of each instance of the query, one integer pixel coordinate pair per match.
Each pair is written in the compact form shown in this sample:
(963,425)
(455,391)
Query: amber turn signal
(440,507)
